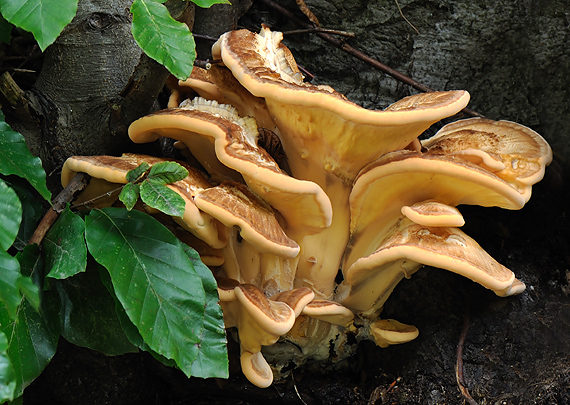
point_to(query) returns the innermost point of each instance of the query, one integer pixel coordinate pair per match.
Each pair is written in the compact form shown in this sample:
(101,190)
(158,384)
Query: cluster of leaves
(160,36)
(112,279)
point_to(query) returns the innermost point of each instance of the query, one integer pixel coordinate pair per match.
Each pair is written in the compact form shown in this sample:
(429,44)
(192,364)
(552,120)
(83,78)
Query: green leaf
(153,279)
(15,158)
(162,38)
(9,283)
(7,374)
(5,34)
(129,195)
(160,197)
(208,3)
(212,360)
(31,269)
(167,172)
(45,19)
(64,245)
(134,174)
(88,317)
(10,215)
(32,210)
(32,340)
(129,328)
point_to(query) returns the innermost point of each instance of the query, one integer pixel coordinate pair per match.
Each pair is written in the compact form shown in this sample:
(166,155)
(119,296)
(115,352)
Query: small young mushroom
(329,311)
(388,332)
(433,213)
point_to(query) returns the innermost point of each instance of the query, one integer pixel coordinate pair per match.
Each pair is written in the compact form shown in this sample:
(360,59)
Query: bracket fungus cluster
(307,236)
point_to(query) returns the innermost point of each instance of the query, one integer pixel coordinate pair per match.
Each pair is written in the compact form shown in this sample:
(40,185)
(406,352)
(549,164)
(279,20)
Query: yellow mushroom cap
(433,213)
(329,311)
(388,332)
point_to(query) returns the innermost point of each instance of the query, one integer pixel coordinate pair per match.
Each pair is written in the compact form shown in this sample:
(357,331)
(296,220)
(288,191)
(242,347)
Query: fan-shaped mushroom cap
(297,298)
(201,82)
(326,138)
(226,288)
(256,369)
(433,213)
(404,178)
(370,280)
(329,311)
(274,317)
(233,93)
(233,204)
(110,172)
(303,204)
(513,152)
(317,123)
(388,332)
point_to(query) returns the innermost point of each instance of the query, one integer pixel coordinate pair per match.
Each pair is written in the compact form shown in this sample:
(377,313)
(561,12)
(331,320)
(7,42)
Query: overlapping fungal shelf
(351,190)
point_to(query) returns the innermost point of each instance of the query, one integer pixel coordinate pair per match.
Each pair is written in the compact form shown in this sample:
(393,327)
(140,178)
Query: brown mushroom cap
(388,332)
(297,298)
(232,144)
(353,135)
(513,152)
(370,280)
(233,204)
(201,82)
(404,178)
(326,138)
(329,311)
(256,369)
(274,317)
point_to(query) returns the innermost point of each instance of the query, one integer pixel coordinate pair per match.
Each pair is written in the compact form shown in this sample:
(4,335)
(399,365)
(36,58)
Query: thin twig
(76,184)
(404,17)
(459,364)
(91,201)
(362,56)
(320,29)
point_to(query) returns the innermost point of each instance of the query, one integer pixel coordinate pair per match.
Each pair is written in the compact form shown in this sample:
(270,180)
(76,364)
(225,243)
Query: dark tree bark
(94,82)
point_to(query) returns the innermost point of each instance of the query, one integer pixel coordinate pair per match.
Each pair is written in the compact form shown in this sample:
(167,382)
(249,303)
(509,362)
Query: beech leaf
(153,279)
(64,244)
(45,19)
(15,158)
(160,197)
(167,172)
(162,38)
(129,195)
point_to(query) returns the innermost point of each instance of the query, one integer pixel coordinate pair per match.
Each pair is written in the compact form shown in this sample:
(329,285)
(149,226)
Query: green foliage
(150,291)
(155,282)
(66,253)
(15,158)
(161,37)
(209,3)
(45,19)
(152,188)
(5,31)
(7,374)
(88,316)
